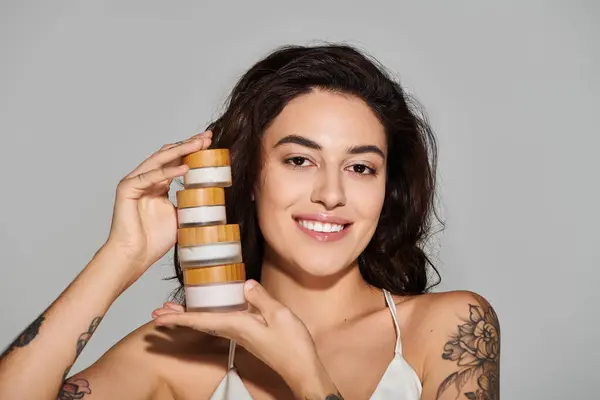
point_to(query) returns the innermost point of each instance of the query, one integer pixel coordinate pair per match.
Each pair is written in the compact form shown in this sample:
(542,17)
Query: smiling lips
(323,227)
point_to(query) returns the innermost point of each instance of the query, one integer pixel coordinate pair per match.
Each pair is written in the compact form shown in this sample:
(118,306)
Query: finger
(205,134)
(160,177)
(178,161)
(259,298)
(148,179)
(173,153)
(232,325)
(169,308)
(162,311)
(174,306)
(165,147)
(162,188)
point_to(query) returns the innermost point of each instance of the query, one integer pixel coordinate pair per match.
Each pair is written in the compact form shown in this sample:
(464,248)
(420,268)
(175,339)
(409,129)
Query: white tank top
(400,381)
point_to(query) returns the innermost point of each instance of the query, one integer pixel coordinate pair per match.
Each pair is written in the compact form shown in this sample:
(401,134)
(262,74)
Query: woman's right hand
(144,223)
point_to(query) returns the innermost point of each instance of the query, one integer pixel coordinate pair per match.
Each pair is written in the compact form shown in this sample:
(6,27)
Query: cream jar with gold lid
(209,245)
(201,206)
(215,288)
(208,168)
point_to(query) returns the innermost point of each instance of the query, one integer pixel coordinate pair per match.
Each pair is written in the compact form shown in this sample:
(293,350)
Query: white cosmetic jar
(217,288)
(208,168)
(209,245)
(201,206)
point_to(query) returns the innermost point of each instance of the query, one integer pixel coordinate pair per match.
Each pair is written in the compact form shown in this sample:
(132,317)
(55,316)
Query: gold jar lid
(216,274)
(207,158)
(199,235)
(209,196)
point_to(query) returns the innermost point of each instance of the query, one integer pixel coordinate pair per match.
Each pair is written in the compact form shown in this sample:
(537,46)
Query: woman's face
(322,183)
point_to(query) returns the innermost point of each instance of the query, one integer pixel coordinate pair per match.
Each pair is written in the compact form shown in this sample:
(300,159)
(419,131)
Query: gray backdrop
(87,91)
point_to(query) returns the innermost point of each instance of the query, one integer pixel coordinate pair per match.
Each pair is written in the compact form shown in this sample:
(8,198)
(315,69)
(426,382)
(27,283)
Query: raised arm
(35,365)
(143,229)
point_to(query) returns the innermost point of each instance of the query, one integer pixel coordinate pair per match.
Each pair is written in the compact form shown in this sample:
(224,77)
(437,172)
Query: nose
(328,189)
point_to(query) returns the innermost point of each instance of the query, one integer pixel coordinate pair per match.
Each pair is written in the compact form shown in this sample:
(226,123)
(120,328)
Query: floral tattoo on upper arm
(476,349)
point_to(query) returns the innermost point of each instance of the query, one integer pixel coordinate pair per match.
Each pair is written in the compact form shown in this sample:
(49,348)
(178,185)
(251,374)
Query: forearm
(37,362)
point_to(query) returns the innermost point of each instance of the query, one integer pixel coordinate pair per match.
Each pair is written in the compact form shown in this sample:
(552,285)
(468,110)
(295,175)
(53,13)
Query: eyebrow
(311,144)
(368,148)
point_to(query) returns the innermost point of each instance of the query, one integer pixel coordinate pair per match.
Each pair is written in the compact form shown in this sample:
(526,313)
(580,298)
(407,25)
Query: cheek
(275,194)
(368,202)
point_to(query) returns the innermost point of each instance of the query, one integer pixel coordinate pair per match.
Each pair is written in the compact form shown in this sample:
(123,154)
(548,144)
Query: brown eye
(297,161)
(359,169)
(362,169)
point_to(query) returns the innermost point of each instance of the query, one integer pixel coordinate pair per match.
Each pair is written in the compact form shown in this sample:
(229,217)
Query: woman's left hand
(273,334)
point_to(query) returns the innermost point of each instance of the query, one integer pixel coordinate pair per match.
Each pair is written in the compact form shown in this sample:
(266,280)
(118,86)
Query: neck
(321,302)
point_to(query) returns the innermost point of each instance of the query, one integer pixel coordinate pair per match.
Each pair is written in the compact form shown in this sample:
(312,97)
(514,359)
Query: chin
(318,266)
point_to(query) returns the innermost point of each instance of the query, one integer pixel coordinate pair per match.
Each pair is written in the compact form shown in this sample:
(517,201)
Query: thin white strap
(231,355)
(392,306)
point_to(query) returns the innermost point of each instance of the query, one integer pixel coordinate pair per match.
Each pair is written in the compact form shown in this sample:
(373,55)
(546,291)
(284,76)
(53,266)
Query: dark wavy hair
(395,258)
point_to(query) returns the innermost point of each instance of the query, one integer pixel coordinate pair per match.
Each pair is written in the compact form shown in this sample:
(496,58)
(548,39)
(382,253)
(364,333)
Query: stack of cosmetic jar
(208,248)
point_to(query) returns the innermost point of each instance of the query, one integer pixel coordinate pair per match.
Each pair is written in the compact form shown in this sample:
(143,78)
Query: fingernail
(250,284)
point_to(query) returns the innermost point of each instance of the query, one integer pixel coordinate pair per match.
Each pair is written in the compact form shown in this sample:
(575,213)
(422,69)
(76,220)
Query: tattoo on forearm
(25,337)
(476,349)
(329,397)
(85,337)
(75,389)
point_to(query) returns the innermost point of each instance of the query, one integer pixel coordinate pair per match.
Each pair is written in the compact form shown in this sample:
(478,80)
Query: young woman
(333,186)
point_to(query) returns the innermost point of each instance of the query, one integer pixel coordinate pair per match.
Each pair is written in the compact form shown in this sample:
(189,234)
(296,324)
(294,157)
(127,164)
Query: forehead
(333,120)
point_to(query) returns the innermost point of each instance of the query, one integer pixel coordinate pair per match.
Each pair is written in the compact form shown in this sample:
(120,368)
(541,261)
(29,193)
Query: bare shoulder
(462,347)
(150,362)
(446,306)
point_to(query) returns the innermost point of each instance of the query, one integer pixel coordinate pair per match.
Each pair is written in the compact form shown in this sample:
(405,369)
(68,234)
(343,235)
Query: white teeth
(320,227)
